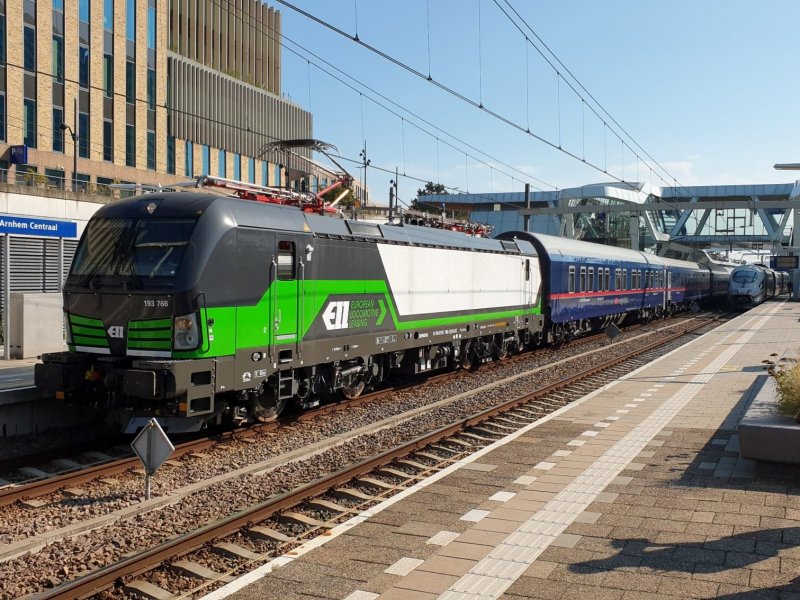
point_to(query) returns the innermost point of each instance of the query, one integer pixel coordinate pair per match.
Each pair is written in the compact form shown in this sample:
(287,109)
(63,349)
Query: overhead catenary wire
(271,34)
(385,98)
(459,95)
(588,93)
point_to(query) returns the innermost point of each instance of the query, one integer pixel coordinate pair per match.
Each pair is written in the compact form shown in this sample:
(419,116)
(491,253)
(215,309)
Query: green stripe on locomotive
(244,327)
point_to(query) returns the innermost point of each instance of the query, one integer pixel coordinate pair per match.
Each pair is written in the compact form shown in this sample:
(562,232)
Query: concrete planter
(765,434)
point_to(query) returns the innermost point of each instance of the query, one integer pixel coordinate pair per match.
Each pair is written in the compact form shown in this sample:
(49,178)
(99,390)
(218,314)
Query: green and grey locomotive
(201,309)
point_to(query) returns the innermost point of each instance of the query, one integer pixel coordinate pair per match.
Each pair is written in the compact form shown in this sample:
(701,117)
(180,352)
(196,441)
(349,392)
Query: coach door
(669,286)
(285,300)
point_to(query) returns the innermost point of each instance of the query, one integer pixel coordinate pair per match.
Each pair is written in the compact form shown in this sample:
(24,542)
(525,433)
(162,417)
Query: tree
(348,200)
(430,189)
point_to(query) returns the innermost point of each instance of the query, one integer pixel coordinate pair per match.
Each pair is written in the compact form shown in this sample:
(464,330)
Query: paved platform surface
(634,492)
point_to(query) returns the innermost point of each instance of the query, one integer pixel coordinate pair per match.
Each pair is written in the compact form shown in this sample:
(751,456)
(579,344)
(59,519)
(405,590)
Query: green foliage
(430,189)
(347,201)
(787,380)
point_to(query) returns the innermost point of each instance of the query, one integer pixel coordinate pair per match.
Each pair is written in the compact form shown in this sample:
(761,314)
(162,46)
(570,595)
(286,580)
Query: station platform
(636,491)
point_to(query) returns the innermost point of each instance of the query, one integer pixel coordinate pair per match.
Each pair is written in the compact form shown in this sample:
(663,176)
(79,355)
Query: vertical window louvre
(130,82)
(130,146)
(2,116)
(29,118)
(58,133)
(83,66)
(58,58)
(29,51)
(108,141)
(170,155)
(151,150)
(108,75)
(189,163)
(83,135)
(151,89)
(108,15)
(130,20)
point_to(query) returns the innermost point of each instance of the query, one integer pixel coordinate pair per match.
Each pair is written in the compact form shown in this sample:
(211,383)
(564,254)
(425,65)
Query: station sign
(40,227)
(784,263)
(19,155)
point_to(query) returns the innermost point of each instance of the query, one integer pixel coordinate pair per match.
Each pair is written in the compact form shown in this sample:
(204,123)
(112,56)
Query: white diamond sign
(153,447)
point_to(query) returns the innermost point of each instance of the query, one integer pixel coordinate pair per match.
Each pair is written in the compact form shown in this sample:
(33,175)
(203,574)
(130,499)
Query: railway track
(42,483)
(290,519)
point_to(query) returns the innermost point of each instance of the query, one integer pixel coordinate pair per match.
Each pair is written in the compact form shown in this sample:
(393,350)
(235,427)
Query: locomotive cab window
(285,260)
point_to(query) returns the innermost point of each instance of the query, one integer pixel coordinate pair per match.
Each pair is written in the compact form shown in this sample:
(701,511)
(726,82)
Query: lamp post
(365,162)
(74,135)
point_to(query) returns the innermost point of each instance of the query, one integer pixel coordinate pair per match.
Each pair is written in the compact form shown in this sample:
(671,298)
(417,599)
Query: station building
(145,91)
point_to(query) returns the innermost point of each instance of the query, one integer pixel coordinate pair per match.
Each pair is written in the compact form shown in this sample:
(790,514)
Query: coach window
(624,279)
(571,281)
(285,260)
(608,279)
(590,279)
(617,274)
(583,279)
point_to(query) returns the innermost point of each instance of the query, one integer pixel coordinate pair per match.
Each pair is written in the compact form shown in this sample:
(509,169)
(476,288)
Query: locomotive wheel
(265,409)
(354,391)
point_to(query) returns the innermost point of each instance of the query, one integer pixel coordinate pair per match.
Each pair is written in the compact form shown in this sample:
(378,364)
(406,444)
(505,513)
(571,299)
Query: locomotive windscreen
(144,249)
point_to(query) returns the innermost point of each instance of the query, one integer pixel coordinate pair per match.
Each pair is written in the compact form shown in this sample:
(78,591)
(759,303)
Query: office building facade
(145,91)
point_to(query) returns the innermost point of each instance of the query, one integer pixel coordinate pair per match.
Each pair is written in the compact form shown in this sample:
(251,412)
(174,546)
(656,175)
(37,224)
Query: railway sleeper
(352,495)
(235,551)
(433,457)
(145,589)
(326,505)
(259,532)
(498,429)
(481,439)
(390,472)
(486,433)
(377,484)
(295,518)
(198,571)
(413,464)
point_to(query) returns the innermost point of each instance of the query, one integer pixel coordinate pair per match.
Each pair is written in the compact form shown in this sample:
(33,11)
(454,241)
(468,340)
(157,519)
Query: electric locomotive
(202,309)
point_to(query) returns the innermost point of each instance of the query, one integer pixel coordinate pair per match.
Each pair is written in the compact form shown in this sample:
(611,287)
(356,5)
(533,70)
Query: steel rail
(106,577)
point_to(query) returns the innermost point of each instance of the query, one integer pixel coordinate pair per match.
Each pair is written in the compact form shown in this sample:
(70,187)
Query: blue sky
(708,88)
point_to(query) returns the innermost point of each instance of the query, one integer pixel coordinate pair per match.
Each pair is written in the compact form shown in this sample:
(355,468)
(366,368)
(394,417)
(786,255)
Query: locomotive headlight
(186,333)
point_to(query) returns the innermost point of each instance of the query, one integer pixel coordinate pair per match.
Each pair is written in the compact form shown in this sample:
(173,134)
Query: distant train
(202,309)
(751,285)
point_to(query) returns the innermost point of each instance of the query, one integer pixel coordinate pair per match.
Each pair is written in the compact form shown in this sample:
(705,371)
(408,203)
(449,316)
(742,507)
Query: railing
(36,183)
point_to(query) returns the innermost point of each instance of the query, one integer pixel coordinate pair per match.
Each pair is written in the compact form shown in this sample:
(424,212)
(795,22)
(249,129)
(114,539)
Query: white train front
(751,285)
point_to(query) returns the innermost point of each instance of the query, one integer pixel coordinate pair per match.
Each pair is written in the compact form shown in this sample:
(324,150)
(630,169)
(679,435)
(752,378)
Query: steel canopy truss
(749,216)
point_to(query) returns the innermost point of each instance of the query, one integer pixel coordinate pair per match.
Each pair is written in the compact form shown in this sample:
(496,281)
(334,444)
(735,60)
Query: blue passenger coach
(587,286)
